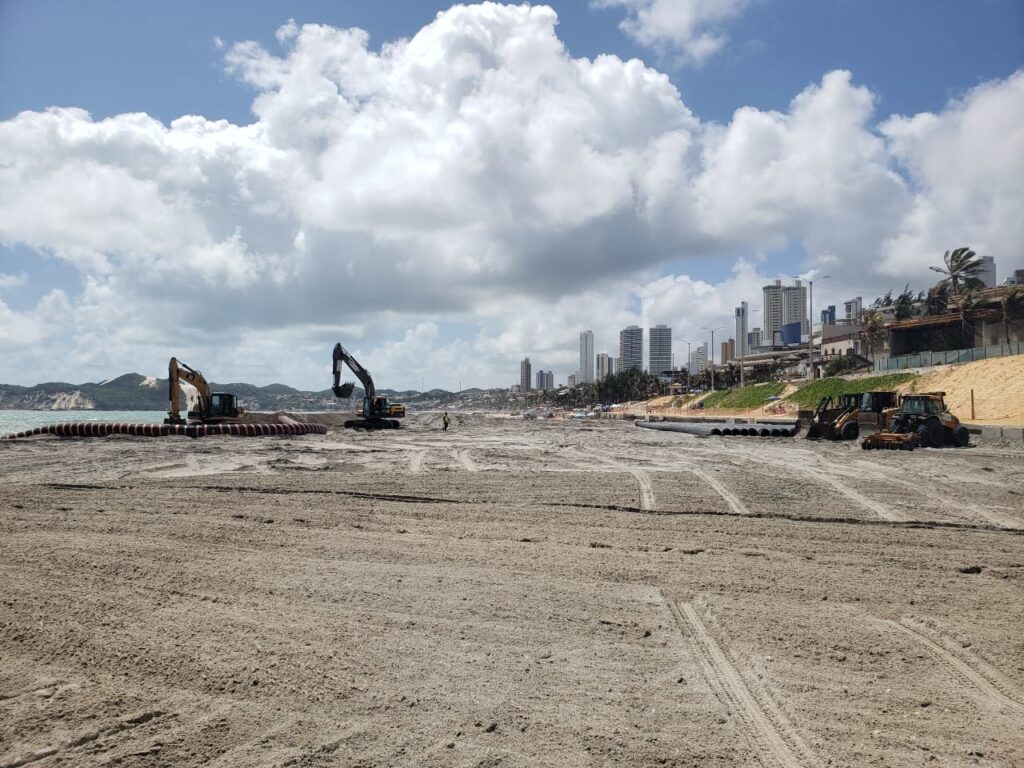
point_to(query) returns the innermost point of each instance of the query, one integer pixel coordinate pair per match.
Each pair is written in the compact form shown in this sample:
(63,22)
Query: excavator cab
(223,405)
(380,407)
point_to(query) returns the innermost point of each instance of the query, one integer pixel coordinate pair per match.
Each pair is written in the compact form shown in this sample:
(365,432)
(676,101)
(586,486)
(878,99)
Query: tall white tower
(742,347)
(586,373)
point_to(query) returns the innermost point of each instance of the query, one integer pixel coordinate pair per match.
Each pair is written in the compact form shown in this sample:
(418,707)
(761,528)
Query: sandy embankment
(998,386)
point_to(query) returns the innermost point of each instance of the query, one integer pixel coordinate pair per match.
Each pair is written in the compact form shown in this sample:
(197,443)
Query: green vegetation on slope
(810,396)
(753,396)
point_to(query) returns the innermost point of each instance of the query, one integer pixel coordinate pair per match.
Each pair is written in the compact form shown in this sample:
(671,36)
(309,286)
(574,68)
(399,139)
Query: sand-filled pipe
(703,429)
(102,429)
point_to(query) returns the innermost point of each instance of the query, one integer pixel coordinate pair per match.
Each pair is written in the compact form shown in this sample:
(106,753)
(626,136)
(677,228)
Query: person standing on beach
(446,421)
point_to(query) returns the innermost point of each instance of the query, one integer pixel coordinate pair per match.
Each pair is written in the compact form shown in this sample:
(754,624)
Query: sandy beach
(510,593)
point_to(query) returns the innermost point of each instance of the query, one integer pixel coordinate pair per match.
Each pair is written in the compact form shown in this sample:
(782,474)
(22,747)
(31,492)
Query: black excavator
(204,406)
(378,412)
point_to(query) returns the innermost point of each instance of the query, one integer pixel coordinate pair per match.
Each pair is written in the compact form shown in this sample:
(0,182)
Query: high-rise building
(549,380)
(723,352)
(853,308)
(828,315)
(586,372)
(617,365)
(794,306)
(659,349)
(784,304)
(571,381)
(524,374)
(1018,277)
(631,348)
(605,365)
(987,273)
(541,380)
(699,358)
(772,310)
(755,339)
(742,343)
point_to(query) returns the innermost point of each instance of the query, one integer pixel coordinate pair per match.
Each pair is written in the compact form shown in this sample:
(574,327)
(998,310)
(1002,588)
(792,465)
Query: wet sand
(513,593)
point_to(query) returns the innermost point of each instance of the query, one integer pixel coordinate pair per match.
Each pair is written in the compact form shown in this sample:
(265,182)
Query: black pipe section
(101,429)
(728,429)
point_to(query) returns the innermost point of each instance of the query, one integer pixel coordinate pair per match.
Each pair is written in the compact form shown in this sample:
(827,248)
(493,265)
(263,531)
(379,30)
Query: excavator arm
(343,358)
(176,373)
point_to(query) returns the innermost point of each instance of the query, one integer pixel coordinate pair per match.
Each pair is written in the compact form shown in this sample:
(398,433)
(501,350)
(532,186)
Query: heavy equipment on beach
(204,406)
(377,412)
(840,418)
(920,421)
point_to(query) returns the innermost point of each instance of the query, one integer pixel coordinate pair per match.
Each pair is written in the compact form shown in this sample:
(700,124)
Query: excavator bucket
(344,390)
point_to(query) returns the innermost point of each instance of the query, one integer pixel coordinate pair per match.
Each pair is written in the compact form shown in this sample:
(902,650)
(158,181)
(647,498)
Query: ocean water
(16,421)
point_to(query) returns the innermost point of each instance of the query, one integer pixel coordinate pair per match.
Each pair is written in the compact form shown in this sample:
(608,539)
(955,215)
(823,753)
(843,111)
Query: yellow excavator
(378,412)
(204,406)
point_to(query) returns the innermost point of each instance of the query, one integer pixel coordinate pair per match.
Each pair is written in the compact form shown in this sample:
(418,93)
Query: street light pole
(810,323)
(711,354)
(688,358)
(743,343)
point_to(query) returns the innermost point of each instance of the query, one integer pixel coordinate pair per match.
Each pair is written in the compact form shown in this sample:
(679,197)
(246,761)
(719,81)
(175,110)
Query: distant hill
(135,392)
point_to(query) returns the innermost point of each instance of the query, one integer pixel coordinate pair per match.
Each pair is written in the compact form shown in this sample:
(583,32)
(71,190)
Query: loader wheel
(930,434)
(923,436)
(850,431)
(961,437)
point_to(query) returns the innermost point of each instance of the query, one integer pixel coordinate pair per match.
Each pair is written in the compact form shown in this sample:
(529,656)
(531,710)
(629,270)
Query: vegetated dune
(998,385)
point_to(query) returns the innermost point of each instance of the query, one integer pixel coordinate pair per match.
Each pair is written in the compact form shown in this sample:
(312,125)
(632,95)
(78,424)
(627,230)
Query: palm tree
(967,304)
(937,300)
(961,270)
(883,301)
(872,331)
(1012,305)
(904,304)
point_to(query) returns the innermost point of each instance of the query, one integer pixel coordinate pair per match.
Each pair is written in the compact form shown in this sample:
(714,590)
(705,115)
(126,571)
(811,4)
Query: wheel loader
(920,421)
(841,419)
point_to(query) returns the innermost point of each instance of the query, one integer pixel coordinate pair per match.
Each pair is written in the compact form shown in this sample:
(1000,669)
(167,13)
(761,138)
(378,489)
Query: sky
(446,189)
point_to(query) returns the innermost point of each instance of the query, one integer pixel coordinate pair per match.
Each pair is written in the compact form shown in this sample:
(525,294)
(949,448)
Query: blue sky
(169,60)
(124,55)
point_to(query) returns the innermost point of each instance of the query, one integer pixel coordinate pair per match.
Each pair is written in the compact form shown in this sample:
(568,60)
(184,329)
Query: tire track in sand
(465,460)
(86,738)
(643,482)
(730,498)
(881,510)
(996,688)
(767,729)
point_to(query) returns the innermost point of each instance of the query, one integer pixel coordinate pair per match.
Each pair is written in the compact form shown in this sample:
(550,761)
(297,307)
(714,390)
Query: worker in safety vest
(446,421)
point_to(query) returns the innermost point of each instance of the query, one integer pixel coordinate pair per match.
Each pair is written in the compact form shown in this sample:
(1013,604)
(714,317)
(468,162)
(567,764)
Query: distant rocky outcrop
(135,392)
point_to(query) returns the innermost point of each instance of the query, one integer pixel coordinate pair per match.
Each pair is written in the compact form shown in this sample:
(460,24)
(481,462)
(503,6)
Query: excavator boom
(378,412)
(210,407)
(343,358)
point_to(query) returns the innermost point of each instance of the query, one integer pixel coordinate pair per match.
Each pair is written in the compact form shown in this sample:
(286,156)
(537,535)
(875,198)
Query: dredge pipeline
(102,429)
(728,429)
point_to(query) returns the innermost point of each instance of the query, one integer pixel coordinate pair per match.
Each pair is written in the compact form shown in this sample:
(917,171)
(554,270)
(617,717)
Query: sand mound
(998,386)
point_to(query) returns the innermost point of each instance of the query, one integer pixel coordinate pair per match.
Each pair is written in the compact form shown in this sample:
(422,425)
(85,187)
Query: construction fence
(948,357)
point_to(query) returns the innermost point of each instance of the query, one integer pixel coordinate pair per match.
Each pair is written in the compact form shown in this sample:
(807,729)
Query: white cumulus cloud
(693,28)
